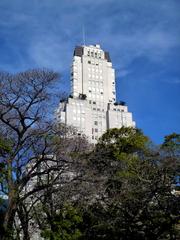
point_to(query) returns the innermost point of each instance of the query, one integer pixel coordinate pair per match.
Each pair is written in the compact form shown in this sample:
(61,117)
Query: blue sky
(142,36)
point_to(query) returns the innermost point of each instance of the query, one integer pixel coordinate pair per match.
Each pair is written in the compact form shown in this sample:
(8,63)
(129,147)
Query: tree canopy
(59,186)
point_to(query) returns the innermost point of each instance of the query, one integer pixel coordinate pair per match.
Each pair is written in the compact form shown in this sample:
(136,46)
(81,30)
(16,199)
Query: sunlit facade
(92,107)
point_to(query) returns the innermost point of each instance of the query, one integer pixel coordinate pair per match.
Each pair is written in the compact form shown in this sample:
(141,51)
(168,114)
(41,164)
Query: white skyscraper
(92,108)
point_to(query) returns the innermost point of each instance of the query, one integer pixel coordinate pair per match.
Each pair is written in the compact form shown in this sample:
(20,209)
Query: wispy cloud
(172,80)
(49,29)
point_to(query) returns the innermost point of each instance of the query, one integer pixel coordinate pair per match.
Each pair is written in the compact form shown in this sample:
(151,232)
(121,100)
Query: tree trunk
(23,217)
(9,217)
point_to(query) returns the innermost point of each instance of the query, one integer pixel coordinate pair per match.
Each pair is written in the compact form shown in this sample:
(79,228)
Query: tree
(73,188)
(136,201)
(170,153)
(66,224)
(4,149)
(24,99)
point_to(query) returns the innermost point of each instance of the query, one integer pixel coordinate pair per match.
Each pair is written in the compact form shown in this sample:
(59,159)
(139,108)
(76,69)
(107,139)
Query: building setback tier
(92,107)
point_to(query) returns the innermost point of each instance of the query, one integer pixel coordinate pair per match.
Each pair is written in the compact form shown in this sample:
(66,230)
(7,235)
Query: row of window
(122,110)
(78,103)
(94,130)
(94,103)
(96,69)
(95,96)
(93,63)
(94,54)
(98,109)
(91,102)
(78,111)
(75,118)
(94,137)
(95,89)
(95,76)
(95,83)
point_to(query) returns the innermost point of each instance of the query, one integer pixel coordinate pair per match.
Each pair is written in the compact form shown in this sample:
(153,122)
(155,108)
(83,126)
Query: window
(89,101)
(95,122)
(89,62)
(96,130)
(94,102)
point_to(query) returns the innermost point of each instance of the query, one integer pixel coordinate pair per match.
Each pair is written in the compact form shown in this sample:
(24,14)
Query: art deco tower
(92,107)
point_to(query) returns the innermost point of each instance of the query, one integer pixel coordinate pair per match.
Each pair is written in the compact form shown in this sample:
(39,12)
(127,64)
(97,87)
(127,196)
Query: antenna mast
(83,33)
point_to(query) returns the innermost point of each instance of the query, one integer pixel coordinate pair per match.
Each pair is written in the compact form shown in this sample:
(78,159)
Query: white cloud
(172,80)
(128,29)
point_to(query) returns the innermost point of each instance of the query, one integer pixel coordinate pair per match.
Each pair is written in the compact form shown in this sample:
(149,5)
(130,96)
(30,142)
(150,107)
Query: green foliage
(172,142)
(123,140)
(133,196)
(65,225)
(5,146)
(138,202)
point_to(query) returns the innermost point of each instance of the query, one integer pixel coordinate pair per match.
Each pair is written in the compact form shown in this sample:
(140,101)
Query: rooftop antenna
(83,35)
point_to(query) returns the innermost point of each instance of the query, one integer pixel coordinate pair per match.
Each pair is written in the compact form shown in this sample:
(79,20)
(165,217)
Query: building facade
(92,107)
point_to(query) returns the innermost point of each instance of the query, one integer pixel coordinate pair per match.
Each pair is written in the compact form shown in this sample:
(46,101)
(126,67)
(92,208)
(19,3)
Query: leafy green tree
(137,201)
(170,154)
(65,224)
